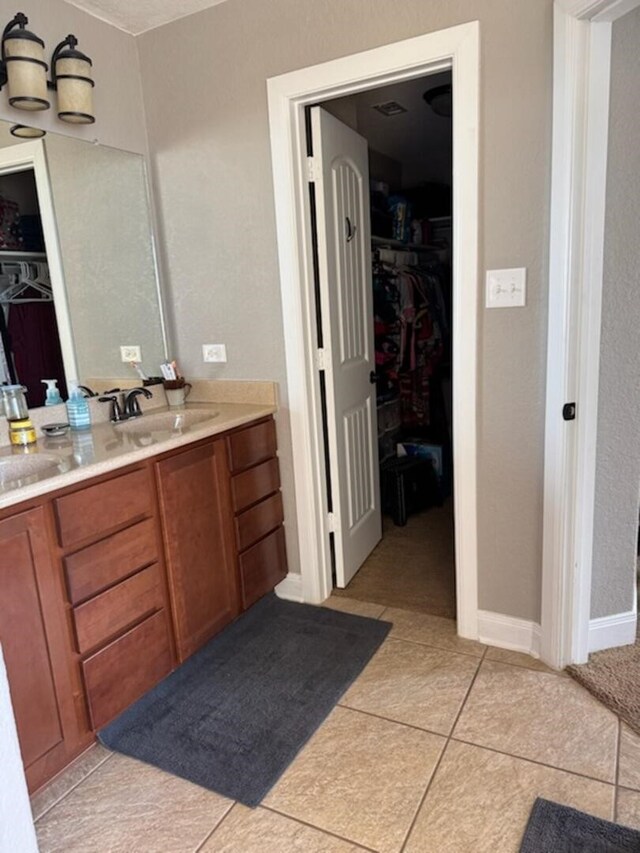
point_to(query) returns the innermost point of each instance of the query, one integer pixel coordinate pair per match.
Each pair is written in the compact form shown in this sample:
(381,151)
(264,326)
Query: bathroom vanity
(116,571)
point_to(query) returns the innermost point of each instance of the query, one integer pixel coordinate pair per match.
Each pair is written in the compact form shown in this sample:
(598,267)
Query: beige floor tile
(127,806)
(479,801)
(520,659)
(352,605)
(629,767)
(542,717)
(628,811)
(430,630)
(413,684)
(71,776)
(262,831)
(359,777)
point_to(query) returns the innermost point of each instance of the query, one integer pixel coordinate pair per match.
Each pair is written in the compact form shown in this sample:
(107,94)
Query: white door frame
(457,48)
(20,158)
(582,63)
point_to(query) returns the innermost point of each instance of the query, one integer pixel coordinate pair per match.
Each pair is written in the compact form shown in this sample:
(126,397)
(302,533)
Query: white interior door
(341,175)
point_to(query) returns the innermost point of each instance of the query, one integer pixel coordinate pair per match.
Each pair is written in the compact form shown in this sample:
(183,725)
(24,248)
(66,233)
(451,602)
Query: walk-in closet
(408,128)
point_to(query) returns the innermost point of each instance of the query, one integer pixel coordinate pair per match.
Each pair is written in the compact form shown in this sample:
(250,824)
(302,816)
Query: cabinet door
(32,634)
(197,522)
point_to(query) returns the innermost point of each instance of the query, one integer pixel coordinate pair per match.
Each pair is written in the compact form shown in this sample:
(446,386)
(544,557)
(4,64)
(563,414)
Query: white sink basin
(18,471)
(167,421)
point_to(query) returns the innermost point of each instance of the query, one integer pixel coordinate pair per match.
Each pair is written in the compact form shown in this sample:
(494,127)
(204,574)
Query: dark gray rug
(553,828)
(234,715)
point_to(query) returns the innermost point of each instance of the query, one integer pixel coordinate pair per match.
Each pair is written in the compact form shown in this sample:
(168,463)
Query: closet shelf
(409,247)
(8,255)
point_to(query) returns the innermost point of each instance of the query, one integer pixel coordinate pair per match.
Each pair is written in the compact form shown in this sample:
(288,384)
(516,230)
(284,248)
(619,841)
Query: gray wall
(618,451)
(205,99)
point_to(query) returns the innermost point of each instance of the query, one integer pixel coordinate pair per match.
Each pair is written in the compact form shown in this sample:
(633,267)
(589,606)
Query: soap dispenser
(21,431)
(53,397)
(78,408)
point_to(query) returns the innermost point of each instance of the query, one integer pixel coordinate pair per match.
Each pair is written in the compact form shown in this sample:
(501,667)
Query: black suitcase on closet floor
(408,484)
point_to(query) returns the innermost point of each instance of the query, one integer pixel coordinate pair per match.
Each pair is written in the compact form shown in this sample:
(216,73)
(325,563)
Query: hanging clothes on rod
(411,296)
(24,281)
(31,341)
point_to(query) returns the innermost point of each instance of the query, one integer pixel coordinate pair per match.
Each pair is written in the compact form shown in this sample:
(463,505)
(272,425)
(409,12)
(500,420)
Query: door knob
(373,378)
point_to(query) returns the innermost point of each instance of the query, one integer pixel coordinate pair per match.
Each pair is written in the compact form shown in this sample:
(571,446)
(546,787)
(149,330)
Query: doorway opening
(391,355)
(320,522)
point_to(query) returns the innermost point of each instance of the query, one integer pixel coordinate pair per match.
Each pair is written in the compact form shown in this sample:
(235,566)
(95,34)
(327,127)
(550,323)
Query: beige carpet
(613,676)
(412,567)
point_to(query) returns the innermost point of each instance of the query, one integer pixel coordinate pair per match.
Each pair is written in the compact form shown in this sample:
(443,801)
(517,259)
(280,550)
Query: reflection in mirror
(82,232)
(29,340)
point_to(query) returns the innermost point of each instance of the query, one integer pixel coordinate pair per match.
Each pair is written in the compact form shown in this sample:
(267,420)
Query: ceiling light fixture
(439,99)
(24,132)
(23,68)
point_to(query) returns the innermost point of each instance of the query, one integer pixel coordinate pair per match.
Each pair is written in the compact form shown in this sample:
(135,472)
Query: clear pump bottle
(21,431)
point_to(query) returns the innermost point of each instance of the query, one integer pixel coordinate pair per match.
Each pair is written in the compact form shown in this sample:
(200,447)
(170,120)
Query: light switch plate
(507,288)
(214,352)
(130,353)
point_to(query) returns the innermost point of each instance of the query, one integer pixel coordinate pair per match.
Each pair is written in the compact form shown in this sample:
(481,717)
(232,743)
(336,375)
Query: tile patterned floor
(441,745)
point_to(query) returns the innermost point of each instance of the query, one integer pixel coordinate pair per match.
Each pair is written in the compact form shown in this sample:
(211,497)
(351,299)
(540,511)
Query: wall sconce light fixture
(71,77)
(24,132)
(22,66)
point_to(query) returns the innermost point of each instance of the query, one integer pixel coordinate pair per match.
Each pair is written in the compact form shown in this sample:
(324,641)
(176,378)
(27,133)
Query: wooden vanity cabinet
(108,585)
(113,567)
(257,507)
(193,492)
(34,638)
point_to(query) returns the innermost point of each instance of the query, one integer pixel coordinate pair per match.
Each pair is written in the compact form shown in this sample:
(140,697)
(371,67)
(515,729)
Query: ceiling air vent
(390,108)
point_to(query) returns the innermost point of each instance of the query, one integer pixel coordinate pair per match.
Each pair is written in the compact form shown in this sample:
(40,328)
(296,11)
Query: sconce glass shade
(26,70)
(24,132)
(72,73)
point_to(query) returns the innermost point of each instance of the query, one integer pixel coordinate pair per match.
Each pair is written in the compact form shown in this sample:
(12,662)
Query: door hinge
(321,359)
(311,169)
(569,411)
(331,522)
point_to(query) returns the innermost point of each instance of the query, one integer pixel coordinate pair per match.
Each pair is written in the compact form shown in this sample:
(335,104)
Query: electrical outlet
(214,352)
(130,353)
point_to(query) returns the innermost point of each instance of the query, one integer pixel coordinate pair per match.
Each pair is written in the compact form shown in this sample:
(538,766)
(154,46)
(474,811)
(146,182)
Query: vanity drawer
(95,510)
(252,445)
(255,484)
(112,611)
(101,565)
(256,522)
(262,567)
(119,674)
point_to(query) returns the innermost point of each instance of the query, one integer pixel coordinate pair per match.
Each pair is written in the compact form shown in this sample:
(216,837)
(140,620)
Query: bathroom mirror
(78,272)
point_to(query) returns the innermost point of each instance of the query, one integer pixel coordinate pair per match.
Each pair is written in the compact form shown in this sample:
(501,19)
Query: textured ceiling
(136,16)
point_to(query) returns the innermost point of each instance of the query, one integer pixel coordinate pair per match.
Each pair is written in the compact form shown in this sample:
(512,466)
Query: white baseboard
(507,632)
(608,632)
(290,588)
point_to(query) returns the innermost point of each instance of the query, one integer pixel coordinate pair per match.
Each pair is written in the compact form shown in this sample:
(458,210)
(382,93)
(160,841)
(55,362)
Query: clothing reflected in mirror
(29,342)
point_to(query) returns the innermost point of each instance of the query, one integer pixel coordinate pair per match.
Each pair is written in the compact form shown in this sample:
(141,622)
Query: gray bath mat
(234,715)
(553,828)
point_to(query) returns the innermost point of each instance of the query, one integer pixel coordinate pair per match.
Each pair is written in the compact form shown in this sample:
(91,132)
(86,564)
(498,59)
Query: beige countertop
(84,454)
